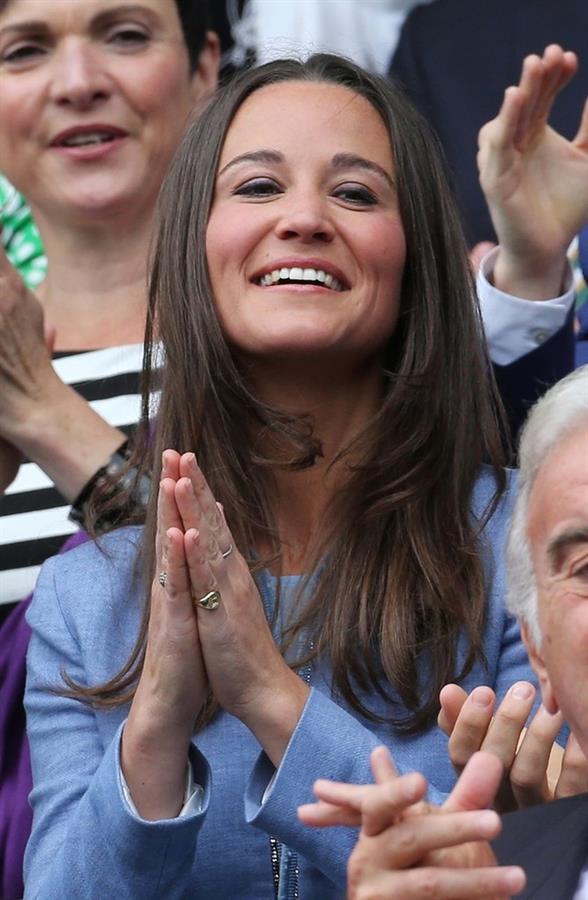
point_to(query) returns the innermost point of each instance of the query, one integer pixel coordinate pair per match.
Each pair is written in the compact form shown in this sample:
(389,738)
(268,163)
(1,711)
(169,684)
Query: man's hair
(562,410)
(195,20)
(399,572)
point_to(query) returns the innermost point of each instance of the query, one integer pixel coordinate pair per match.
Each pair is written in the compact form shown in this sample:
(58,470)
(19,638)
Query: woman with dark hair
(94,98)
(330,557)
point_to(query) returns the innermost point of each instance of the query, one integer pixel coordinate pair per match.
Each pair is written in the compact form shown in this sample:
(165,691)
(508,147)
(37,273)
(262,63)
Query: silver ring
(162,578)
(209,601)
(227,552)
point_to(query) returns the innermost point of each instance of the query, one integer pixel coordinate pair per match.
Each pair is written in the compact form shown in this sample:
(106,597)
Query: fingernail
(481,697)
(487,822)
(522,690)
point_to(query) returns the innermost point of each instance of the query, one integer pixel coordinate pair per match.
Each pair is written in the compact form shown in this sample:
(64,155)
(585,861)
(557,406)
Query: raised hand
(235,635)
(535,768)
(25,359)
(534,180)
(409,849)
(173,684)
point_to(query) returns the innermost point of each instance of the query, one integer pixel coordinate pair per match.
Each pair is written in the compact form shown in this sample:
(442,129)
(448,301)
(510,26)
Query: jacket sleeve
(85,840)
(328,742)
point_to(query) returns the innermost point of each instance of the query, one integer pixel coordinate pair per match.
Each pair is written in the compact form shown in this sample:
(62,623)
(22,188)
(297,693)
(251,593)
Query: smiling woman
(95,96)
(304,587)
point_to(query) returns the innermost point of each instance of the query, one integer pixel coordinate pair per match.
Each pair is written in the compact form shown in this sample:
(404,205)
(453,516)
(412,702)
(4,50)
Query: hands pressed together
(190,648)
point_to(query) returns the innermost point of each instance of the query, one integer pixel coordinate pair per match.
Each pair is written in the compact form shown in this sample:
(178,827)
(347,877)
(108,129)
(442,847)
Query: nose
(306,218)
(79,80)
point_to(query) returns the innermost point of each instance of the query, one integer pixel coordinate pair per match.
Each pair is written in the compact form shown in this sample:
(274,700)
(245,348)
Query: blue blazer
(86,842)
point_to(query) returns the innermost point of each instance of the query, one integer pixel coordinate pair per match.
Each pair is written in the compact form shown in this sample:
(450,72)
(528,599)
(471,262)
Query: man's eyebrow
(559,544)
(339,161)
(42,28)
(353,161)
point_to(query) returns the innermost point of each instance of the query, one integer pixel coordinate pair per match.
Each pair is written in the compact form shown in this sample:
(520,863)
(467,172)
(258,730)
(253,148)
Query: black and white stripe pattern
(33,515)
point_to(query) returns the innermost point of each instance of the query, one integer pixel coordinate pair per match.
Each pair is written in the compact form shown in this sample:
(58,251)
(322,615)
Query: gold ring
(209,601)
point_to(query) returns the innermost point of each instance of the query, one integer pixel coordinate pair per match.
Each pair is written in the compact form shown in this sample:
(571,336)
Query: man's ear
(205,76)
(536,658)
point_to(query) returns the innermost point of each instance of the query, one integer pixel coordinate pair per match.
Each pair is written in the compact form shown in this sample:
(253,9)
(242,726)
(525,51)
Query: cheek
(385,248)
(160,88)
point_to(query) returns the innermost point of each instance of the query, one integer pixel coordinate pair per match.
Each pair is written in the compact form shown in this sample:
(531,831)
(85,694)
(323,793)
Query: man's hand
(535,768)
(409,849)
(534,180)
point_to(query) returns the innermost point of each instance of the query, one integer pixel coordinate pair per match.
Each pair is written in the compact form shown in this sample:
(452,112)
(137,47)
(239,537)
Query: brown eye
(258,187)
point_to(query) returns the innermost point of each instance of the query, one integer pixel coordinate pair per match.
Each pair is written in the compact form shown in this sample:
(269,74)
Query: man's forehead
(559,498)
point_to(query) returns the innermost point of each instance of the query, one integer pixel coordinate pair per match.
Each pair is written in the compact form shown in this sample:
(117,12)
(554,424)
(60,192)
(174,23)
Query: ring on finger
(162,578)
(211,600)
(227,552)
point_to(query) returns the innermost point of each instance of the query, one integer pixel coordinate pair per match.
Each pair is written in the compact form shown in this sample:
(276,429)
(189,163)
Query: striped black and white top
(33,515)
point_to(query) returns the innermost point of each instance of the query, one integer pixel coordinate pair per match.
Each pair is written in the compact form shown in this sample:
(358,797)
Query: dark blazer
(550,842)
(456,57)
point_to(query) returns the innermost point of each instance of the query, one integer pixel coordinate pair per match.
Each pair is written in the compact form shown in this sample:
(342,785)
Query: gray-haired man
(548,591)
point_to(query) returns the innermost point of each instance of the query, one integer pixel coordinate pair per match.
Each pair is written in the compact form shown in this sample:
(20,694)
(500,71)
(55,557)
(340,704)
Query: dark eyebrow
(353,161)
(339,161)
(558,545)
(97,22)
(264,156)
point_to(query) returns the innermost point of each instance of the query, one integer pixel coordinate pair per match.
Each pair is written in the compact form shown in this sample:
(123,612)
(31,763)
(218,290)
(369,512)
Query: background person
(314,353)
(95,95)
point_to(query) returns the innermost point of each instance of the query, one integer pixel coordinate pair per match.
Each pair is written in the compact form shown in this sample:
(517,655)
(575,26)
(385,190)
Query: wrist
(275,713)
(538,278)
(155,773)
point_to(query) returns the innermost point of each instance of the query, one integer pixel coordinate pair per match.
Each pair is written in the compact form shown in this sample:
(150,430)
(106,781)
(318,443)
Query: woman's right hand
(173,685)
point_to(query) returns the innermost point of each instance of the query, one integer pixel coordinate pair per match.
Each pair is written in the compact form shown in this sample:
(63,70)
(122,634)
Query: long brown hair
(401,574)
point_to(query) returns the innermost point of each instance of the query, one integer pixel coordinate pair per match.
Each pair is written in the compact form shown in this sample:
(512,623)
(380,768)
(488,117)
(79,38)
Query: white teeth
(299,274)
(94,137)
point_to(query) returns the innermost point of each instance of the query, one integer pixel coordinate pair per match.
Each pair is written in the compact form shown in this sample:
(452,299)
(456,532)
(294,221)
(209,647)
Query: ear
(205,76)
(536,658)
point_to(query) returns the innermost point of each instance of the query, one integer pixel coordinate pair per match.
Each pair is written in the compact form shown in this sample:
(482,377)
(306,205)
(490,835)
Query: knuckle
(428,882)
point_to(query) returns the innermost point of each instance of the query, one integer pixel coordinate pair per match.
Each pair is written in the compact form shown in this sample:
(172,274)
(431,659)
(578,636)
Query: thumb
(477,785)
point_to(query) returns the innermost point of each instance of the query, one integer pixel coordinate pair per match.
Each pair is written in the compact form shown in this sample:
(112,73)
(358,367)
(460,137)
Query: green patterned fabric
(20,236)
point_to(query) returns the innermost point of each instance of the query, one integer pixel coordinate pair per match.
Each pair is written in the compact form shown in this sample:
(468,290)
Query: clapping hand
(535,768)
(410,849)
(534,180)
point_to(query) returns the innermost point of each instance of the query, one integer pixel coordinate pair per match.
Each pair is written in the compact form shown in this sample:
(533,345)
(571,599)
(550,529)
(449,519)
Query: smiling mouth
(91,138)
(298,275)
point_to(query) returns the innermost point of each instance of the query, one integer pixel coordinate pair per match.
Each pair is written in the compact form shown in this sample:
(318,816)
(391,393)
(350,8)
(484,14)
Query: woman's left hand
(536,769)
(246,671)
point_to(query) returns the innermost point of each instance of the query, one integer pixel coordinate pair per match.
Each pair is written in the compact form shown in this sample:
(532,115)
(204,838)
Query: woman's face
(94,97)
(305,245)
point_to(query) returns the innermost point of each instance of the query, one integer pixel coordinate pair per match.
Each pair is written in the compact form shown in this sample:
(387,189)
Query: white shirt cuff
(513,326)
(193,794)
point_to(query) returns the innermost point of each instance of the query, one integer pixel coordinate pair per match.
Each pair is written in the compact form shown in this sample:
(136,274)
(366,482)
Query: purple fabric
(15,767)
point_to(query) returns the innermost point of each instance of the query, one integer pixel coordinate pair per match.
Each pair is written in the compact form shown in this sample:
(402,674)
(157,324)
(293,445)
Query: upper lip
(114,130)
(297,262)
